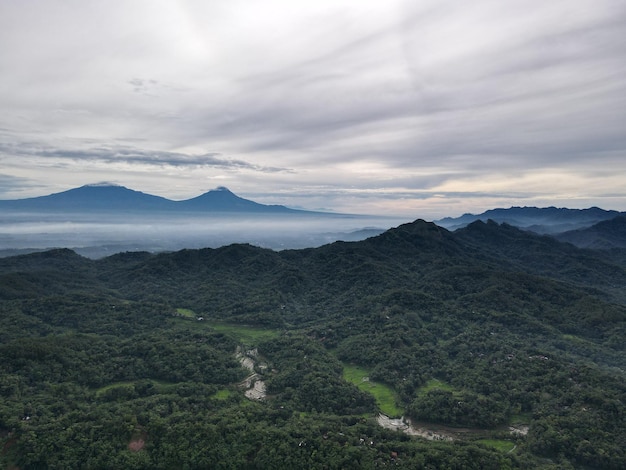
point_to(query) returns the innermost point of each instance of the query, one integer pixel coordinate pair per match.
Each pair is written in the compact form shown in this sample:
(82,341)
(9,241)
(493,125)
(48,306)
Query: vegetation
(478,330)
(223,394)
(187,313)
(244,334)
(435,384)
(384,395)
(501,445)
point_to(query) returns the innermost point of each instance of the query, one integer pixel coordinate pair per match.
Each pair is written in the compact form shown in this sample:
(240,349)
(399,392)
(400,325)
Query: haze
(100,235)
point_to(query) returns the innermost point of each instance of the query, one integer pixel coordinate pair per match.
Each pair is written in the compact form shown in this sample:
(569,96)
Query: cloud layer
(418,108)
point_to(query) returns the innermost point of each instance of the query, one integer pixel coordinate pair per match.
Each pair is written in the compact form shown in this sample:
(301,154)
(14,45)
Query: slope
(601,236)
(514,249)
(223,200)
(97,197)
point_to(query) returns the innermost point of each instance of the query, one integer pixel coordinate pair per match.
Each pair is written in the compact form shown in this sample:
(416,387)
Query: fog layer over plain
(97,235)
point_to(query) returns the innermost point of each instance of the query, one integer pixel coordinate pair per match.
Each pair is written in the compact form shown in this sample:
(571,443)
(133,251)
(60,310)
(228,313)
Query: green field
(578,340)
(384,395)
(434,384)
(185,312)
(222,394)
(159,386)
(499,444)
(245,334)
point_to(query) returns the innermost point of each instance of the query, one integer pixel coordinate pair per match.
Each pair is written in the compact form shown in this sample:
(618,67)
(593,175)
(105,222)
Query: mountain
(99,220)
(98,197)
(223,200)
(512,248)
(548,220)
(603,235)
(113,198)
(508,344)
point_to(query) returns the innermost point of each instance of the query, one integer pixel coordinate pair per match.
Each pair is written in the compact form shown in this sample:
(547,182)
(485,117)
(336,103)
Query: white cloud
(365,103)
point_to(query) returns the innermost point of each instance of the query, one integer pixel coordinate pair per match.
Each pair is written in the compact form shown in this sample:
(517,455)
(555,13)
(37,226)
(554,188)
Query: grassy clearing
(244,334)
(159,386)
(384,395)
(521,418)
(435,384)
(498,444)
(222,394)
(102,390)
(578,340)
(187,313)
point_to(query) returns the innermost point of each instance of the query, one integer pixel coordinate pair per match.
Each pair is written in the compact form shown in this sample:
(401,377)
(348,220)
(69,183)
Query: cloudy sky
(421,108)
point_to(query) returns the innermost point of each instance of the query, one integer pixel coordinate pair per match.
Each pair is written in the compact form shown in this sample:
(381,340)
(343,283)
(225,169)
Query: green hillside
(503,349)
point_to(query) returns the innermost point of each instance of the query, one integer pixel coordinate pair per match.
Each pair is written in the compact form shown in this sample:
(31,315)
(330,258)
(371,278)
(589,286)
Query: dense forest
(498,348)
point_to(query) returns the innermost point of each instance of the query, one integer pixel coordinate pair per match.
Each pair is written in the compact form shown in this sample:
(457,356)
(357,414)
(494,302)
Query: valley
(487,347)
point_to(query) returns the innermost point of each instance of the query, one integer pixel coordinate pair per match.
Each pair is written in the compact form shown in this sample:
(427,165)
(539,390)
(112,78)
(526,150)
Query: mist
(100,235)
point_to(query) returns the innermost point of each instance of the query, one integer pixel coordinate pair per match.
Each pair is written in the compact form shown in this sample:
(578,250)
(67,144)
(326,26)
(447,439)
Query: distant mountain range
(603,235)
(548,220)
(593,228)
(107,197)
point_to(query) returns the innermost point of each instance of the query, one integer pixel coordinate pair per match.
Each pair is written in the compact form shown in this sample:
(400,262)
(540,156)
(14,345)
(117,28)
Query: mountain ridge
(110,197)
(604,235)
(545,220)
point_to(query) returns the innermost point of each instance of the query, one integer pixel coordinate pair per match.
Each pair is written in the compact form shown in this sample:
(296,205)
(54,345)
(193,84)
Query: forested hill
(485,329)
(603,235)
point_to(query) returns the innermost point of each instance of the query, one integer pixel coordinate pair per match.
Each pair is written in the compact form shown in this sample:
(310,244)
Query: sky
(420,108)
